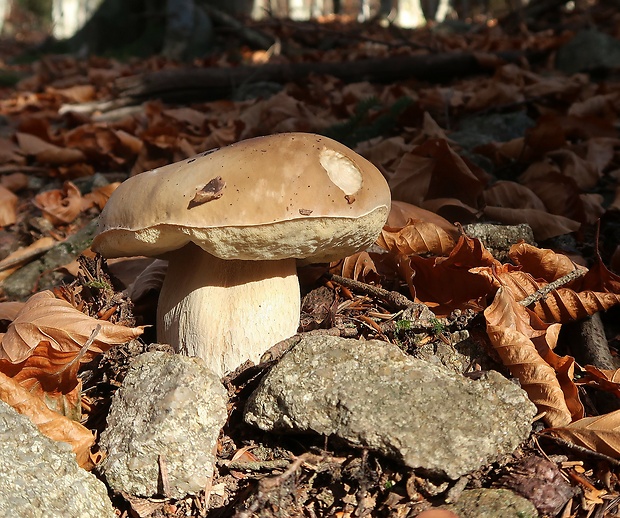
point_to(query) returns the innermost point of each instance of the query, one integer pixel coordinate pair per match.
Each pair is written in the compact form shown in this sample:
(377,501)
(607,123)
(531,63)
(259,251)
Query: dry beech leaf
(435,170)
(599,433)
(544,224)
(99,196)
(14,182)
(512,195)
(47,153)
(541,262)
(9,310)
(8,207)
(359,267)
(603,379)
(562,305)
(452,209)
(446,283)
(51,375)
(49,423)
(401,212)
(417,237)
(46,318)
(524,344)
(60,206)
(213,190)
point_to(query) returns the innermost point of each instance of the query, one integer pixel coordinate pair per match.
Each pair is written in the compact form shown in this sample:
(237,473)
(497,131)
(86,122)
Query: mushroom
(232,222)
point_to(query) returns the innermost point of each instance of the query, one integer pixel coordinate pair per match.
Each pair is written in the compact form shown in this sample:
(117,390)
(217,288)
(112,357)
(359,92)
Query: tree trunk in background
(69,16)
(4,9)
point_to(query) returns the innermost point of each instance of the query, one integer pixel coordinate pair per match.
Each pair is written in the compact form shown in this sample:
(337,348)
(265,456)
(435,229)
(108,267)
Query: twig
(580,449)
(257,465)
(542,293)
(398,300)
(164,481)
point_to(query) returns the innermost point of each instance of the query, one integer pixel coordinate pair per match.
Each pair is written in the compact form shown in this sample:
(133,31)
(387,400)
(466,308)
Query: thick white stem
(226,312)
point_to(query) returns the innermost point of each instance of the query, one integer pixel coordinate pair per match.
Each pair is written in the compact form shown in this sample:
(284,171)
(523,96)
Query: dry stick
(396,299)
(580,449)
(257,465)
(542,293)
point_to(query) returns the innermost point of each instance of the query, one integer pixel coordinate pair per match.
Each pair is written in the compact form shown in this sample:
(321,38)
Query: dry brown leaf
(9,310)
(604,379)
(446,283)
(572,302)
(50,423)
(512,195)
(544,225)
(8,207)
(76,94)
(599,433)
(435,170)
(542,262)
(50,375)
(14,182)
(99,196)
(360,267)
(60,206)
(401,212)
(417,237)
(518,336)
(45,317)
(452,210)
(47,153)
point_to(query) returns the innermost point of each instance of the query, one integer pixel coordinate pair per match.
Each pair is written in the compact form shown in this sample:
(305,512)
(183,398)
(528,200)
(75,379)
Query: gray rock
(492,503)
(39,477)
(168,412)
(589,50)
(373,395)
(498,239)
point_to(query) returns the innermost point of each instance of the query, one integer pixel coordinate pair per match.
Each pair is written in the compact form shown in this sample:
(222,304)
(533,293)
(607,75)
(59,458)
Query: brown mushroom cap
(294,195)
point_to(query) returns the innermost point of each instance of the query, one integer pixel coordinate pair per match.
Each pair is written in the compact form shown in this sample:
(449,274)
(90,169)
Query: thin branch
(542,293)
(398,300)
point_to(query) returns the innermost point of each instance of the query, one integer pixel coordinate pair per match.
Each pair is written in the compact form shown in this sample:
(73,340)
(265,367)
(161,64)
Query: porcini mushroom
(232,222)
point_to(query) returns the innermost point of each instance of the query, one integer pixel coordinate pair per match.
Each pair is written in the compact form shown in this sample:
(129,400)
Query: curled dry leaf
(51,375)
(401,212)
(603,379)
(541,262)
(46,318)
(50,423)
(360,267)
(8,207)
(416,237)
(524,344)
(448,283)
(595,291)
(599,433)
(60,206)
(99,196)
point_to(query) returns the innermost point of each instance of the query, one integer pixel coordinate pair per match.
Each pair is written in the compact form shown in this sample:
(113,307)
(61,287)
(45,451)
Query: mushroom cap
(290,195)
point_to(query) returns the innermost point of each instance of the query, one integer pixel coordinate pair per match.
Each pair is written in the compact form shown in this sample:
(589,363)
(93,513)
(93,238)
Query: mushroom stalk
(226,311)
